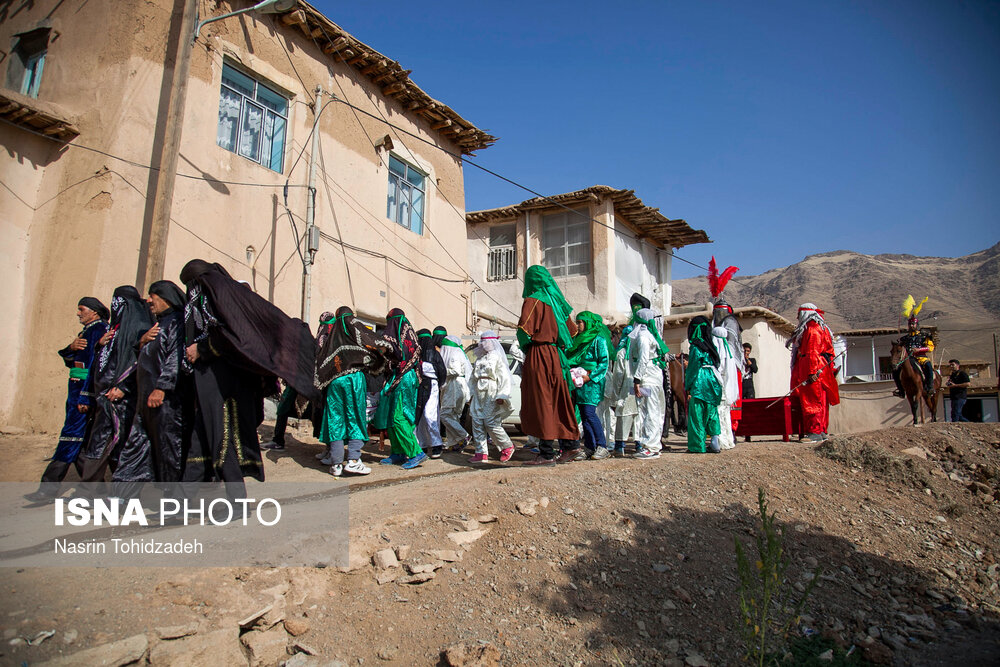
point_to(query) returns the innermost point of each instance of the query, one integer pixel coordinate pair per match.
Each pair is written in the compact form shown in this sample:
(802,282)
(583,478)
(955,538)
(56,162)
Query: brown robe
(546,405)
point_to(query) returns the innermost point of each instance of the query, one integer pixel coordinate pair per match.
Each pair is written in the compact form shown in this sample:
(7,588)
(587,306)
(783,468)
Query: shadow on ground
(645,584)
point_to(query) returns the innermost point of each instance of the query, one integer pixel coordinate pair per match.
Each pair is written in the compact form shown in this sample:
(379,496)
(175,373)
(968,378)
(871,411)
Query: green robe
(705,394)
(595,361)
(699,378)
(344,415)
(397,414)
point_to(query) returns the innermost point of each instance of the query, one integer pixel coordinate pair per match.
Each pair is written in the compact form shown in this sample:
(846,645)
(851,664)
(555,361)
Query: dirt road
(615,562)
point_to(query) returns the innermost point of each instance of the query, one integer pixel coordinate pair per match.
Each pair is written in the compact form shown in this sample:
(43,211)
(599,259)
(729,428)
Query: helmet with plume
(911,311)
(716,284)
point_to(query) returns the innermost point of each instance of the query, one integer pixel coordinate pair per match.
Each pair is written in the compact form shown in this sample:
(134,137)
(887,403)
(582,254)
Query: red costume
(812,355)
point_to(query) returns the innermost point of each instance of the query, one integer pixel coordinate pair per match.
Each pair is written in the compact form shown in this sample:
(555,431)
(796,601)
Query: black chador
(154,450)
(111,384)
(244,343)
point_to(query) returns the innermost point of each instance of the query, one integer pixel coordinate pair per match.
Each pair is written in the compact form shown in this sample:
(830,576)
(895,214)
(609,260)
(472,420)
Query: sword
(809,380)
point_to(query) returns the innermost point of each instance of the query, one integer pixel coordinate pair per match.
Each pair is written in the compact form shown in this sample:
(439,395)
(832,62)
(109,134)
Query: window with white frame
(502,261)
(405,203)
(252,119)
(24,69)
(566,242)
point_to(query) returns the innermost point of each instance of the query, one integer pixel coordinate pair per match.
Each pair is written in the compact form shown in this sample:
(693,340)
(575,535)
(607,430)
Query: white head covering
(488,342)
(647,314)
(448,353)
(808,312)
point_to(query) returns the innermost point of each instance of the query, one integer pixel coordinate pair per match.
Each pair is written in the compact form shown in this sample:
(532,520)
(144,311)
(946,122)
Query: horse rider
(918,345)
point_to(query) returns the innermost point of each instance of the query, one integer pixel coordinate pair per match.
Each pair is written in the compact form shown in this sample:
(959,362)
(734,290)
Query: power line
(141,165)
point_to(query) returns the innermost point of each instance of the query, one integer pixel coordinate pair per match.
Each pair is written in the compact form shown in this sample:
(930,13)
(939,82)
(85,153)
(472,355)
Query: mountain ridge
(864,291)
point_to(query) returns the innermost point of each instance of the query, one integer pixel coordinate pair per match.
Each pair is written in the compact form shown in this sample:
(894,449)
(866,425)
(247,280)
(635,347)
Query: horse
(912,379)
(677,396)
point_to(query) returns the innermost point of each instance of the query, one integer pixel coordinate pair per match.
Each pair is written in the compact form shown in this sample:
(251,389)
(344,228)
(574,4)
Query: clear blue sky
(783,129)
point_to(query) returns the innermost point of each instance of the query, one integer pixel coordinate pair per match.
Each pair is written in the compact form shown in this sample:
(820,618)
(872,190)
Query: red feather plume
(716,282)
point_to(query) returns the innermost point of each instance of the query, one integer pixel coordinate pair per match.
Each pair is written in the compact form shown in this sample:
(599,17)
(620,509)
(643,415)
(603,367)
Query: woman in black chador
(154,449)
(237,344)
(111,384)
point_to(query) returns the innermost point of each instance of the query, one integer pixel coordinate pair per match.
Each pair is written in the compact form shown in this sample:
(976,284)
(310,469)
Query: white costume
(652,403)
(729,377)
(490,383)
(429,428)
(626,410)
(456,392)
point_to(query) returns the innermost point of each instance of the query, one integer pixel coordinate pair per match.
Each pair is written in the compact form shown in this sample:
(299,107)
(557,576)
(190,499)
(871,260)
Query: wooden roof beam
(394,89)
(374,67)
(298,17)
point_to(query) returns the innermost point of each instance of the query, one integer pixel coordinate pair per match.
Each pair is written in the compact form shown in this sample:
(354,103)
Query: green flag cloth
(539,284)
(595,327)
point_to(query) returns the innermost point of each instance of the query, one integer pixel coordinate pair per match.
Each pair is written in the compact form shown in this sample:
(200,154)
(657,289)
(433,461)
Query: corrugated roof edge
(647,219)
(393,81)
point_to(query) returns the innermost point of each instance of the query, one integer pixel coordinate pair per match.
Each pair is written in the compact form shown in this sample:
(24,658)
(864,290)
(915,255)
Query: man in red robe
(814,376)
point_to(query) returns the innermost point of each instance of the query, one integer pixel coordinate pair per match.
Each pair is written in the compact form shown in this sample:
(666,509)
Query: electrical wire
(141,165)
(459,156)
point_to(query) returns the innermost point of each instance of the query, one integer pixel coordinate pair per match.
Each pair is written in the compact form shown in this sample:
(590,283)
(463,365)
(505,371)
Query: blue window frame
(33,74)
(27,60)
(252,119)
(405,204)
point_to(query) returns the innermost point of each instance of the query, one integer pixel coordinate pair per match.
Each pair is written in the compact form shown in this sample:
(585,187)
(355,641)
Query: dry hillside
(860,291)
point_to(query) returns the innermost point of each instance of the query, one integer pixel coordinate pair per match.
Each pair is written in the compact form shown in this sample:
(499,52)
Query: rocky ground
(614,562)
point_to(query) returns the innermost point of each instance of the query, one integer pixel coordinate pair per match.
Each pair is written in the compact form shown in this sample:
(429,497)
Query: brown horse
(912,379)
(677,398)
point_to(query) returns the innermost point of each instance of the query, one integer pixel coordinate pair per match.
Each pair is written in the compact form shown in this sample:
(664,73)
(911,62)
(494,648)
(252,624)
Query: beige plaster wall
(868,406)
(85,232)
(594,292)
(773,358)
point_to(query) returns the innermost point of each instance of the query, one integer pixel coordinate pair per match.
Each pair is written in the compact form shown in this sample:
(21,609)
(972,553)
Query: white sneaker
(337,470)
(356,467)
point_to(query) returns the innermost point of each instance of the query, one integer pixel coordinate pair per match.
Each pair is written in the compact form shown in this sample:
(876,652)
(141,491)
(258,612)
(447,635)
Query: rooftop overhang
(646,220)
(388,75)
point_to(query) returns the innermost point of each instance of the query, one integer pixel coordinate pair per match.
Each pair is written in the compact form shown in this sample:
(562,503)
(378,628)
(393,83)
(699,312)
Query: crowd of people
(171,387)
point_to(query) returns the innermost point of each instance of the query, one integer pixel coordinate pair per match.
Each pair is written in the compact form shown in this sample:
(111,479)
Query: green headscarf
(581,342)
(624,339)
(539,284)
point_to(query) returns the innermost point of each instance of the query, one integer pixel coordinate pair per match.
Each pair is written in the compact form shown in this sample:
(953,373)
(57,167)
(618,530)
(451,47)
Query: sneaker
(897,393)
(601,453)
(713,445)
(436,452)
(459,447)
(337,470)
(415,461)
(506,454)
(570,455)
(646,455)
(393,460)
(815,437)
(540,461)
(479,458)
(619,453)
(273,445)
(356,467)
(639,449)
